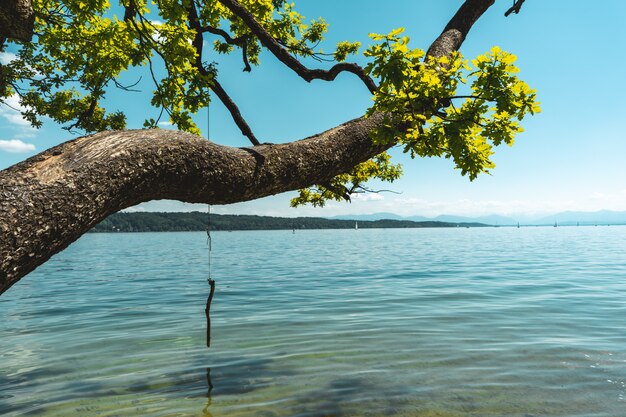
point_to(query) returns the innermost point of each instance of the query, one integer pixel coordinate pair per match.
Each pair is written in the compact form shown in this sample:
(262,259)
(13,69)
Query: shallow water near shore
(411,322)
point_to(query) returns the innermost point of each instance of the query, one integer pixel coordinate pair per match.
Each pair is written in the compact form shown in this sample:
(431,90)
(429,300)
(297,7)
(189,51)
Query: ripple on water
(422,322)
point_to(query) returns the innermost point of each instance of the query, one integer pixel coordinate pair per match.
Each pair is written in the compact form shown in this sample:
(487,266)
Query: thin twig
(286,58)
(517,5)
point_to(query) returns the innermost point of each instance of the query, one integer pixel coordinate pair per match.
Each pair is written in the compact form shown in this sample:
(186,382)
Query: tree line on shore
(198,221)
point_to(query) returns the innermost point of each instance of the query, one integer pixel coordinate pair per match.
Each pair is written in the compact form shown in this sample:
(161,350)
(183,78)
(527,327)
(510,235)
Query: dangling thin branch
(517,5)
(207,312)
(216,87)
(234,112)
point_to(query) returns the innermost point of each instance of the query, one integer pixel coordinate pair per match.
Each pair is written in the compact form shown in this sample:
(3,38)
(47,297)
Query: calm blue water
(422,322)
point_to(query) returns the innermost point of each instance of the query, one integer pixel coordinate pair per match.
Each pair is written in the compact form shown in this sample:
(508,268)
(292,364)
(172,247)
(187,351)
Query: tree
(80,48)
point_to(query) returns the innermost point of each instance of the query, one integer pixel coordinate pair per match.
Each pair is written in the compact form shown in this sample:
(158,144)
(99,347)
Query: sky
(570,157)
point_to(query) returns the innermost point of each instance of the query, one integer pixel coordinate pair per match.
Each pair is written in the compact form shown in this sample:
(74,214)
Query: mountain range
(563,218)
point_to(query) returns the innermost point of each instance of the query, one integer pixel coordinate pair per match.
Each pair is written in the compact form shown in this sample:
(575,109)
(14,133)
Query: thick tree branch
(286,58)
(17,20)
(51,199)
(130,11)
(458,27)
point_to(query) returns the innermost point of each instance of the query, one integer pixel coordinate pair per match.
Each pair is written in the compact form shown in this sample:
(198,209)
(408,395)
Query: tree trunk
(51,199)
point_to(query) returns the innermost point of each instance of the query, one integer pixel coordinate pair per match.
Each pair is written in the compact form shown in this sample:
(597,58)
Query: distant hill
(566,218)
(584,218)
(374,216)
(493,219)
(488,220)
(197,221)
(194,221)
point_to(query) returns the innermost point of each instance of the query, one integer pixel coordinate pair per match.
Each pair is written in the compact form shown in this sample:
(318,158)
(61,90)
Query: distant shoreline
(197,221)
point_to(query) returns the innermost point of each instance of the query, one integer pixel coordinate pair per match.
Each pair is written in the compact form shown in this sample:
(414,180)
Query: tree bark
(17,20)
(51,199)
(458,27)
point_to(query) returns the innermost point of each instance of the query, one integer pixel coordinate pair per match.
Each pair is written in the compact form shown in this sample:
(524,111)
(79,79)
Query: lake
(394,322)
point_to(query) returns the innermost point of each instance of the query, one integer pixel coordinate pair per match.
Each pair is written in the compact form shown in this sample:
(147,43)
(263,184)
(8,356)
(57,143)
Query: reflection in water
(205,410)
(209,382)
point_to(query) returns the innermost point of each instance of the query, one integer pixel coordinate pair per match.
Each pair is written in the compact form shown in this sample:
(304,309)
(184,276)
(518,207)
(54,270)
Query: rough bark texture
(16,19)
(51,199)
(458,27)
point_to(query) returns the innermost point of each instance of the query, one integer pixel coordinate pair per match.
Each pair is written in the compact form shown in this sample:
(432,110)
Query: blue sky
(571,156)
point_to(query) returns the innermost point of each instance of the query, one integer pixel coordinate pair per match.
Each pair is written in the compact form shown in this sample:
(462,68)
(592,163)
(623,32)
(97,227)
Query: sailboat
(356,225)
(555,225)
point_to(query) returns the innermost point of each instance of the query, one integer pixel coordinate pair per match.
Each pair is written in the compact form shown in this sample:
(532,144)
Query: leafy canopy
(82,48)
(427,117)
(445,107)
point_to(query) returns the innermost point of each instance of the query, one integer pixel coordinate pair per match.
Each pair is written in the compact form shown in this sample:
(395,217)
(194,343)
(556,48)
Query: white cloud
(17,127)
(11,111)
(166,205)
(156,35)
(466,207)
(14,118)
(25,133)
(6,57)
(16,146)
(368,197)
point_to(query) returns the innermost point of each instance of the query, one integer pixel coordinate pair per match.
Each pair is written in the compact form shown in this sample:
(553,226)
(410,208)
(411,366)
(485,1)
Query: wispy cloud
(17,128)
(468,207)
(514,208)
(11,110)
(368,197)
(16,146)
(521,209)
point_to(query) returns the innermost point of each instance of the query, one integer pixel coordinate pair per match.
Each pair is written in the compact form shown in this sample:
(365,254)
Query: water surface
(418,322)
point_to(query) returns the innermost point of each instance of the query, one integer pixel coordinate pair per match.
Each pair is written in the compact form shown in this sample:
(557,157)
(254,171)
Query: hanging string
(207,310)
(211,281)
(208,238)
